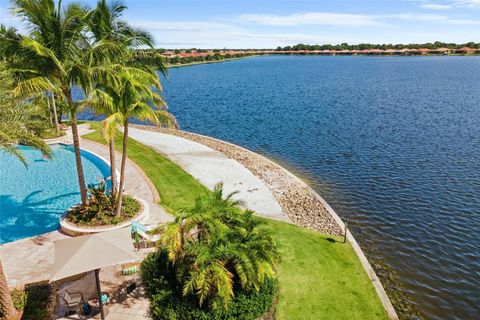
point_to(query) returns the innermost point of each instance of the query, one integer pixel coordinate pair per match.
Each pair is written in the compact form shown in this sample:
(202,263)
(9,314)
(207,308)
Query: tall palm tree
(18,124)
(105,23)
(57,50)
(135,97)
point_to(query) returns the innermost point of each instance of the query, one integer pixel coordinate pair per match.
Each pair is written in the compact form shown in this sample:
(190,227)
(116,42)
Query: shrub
(37,301)
(167,301)
(19,298)
(100,212)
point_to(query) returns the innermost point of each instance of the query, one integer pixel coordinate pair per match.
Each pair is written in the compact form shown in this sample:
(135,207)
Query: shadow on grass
(331,240)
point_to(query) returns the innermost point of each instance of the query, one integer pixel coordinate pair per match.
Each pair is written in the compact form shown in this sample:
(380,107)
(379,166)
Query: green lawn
(318,278)
(177,188)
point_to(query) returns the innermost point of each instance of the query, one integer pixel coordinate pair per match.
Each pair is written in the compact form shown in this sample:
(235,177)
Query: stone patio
(120,307)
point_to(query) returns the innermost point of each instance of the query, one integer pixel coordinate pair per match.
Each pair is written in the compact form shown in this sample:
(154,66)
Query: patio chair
(129,291)
(73,300)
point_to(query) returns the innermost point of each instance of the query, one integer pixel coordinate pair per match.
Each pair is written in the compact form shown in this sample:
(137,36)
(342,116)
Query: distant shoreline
(178,65)
(320,55)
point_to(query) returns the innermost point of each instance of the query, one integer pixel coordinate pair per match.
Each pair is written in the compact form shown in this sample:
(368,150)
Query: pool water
(32,198)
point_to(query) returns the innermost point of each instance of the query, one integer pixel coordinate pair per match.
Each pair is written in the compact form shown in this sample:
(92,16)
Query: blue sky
(272,23)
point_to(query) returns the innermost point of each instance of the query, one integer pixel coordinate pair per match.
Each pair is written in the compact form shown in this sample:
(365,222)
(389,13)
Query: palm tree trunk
(122,168)
(49,111)
(78,160)
(7,310)
(76,148)
(113,166)
(55,115)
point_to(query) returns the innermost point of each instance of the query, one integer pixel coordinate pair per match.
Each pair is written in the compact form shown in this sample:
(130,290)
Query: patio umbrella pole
(99,293)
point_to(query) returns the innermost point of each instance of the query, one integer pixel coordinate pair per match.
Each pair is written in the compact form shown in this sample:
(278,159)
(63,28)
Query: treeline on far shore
(192,56)
(369,46)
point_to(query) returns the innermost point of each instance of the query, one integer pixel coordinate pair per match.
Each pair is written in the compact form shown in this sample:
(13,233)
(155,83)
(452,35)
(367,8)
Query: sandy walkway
(211,167)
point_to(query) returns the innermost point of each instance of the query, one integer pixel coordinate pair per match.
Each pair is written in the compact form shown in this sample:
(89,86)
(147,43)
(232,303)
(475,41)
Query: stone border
(74,231)
(297,201)
(390,310)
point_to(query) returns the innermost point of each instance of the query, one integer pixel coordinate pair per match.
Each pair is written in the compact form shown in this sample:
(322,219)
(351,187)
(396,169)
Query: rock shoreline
(297,200)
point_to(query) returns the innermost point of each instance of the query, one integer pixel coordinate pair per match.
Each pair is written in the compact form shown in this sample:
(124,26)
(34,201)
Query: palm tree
(134,98)
(19,122)
(57,51)
(216,245)
(105,23)
(7,310)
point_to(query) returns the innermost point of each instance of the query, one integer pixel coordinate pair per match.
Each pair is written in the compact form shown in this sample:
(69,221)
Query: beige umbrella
(92,252)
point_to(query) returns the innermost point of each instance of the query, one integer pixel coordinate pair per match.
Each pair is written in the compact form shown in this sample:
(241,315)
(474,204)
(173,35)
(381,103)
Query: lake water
(392,143)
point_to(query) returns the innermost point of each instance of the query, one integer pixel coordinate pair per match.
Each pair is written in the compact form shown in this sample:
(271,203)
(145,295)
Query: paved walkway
(211,167)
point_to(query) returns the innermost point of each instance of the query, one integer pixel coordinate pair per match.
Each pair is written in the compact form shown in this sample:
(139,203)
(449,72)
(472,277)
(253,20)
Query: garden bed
(106,221)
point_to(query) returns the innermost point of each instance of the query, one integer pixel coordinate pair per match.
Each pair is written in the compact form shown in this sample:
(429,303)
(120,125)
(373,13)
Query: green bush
(99,211)
(36,301)
(19,298)
(168,303)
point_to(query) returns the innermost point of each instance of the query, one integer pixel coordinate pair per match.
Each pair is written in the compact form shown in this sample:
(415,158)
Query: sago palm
(215,246)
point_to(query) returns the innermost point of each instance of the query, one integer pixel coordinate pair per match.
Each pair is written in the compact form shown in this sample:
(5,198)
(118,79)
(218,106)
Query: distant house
(466,50)
(406,51)
(392,51)
(442,51)
(424,51)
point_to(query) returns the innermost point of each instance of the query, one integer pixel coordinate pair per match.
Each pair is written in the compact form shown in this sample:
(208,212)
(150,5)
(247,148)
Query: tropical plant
(216,247)
(20,122)
(55,55)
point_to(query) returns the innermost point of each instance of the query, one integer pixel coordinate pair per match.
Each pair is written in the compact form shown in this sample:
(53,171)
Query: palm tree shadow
(25,218)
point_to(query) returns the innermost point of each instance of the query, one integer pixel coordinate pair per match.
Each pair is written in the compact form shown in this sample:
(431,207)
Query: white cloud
(351,20)
(434,6)
(417,17)
(467,3)
(311,18)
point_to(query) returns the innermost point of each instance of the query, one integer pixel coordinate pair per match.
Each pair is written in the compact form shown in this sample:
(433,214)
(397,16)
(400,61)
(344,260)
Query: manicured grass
(177,188)
(319,278)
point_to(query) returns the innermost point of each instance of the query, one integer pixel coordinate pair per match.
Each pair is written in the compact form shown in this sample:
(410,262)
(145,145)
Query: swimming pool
(32,198)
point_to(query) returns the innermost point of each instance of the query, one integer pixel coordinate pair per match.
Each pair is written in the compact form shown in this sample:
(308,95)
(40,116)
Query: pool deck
(29,260)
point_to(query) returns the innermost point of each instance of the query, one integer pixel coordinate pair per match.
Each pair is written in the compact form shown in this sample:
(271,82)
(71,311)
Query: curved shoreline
(299,201)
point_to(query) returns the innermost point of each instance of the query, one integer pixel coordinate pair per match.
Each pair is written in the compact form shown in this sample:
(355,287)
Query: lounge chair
(73,300)
(142,231)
